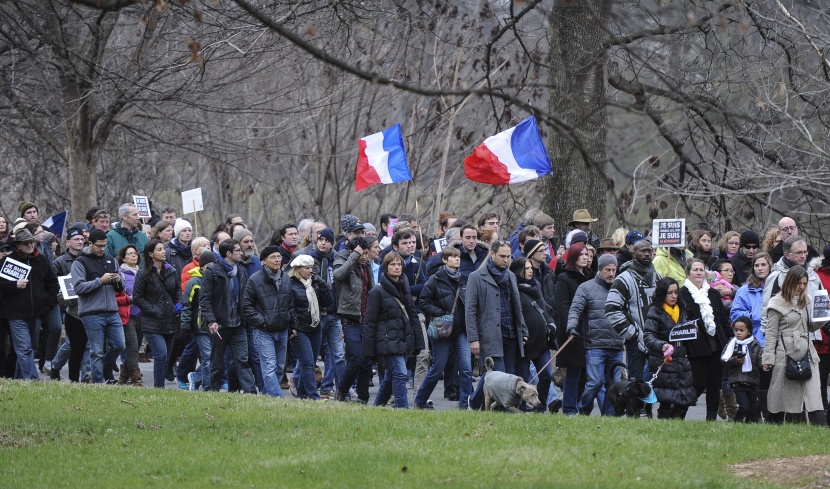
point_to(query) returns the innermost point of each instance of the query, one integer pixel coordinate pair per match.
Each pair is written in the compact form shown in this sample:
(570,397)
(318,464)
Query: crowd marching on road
(719,325)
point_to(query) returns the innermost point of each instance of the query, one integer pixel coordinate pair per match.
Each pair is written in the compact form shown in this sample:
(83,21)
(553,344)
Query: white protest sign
(14,270)
(67,289)
(143,205)
(684,332)
(668,232)
(439,244)
(820,306)
(192,201)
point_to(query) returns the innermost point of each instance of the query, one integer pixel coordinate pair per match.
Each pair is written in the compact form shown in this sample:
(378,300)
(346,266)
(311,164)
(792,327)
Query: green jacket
(120,237)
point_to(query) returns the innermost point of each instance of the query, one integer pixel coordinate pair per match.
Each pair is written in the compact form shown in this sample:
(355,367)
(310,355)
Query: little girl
(742,359)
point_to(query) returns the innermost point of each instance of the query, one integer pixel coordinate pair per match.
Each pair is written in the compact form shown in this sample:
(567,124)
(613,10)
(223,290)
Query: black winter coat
(40,294)
(566,284)
(674,384)
(157,295)
(706,345)
(536,319)
(268,302)
(215,300)
(386,329)
(437,299)
(301,314)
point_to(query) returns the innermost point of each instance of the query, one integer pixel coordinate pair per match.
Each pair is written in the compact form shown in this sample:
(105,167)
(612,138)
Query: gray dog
(506,390)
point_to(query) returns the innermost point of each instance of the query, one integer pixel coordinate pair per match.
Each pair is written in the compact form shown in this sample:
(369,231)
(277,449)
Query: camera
(739,353)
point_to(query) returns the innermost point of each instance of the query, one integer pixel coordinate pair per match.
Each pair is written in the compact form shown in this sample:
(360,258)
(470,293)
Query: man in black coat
(220,304)
(26,299)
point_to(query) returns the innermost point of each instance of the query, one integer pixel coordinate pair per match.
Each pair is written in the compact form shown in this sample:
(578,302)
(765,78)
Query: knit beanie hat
(531,246)
(181,225)
(241,233)
(575,236)
(24,206)
(207,256)
(605,260)
(750,237)
(268,251)
(326,233)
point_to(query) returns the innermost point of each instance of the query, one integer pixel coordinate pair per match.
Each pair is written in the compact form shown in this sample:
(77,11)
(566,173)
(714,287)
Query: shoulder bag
(441,327)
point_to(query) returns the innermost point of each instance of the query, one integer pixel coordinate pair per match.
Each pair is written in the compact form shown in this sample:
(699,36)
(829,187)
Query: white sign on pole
(67,289)
(192,201)
(143,205)
(668,232)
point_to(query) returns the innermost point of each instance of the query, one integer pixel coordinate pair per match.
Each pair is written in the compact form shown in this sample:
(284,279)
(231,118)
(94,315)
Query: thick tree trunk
(578,91)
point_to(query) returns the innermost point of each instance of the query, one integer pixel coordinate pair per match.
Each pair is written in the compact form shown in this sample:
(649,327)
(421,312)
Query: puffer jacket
(40,294)
(349,284)
(267,302)
(301,314)
(437,299)
(216,300)
(536,318)
(748,302)
(566,285)
(674,384)
(387,330)
(157,294)
(586,317)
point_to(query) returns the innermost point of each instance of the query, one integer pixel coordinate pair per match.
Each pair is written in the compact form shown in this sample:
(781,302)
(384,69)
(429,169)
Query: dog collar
(650,399)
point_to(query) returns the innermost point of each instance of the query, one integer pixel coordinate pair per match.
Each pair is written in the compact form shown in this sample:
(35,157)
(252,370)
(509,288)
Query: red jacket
(124,302)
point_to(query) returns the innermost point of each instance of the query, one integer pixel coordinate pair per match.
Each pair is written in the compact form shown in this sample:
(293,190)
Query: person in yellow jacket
(671,262)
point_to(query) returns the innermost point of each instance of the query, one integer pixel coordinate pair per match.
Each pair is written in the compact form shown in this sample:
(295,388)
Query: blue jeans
(334,358)
(161,346)
(307,346)
(600,370)
(358,367)
(544,376)
(235,342)
(187,362)
(272,346)
(393,382)
(440,352)
(635,360)
(202,374)
(98,327)
(25,334)
(477,401)
(253,359)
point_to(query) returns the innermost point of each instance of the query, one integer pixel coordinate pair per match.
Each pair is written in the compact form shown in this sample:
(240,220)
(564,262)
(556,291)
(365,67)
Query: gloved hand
(668,351)
(178,308)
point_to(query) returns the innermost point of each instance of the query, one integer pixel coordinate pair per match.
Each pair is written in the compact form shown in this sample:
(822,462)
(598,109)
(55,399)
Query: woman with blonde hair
(618,237)
(729,244)
(771,239)
(788,338)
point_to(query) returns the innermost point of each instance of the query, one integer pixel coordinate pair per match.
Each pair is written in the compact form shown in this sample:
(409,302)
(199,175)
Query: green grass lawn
(64,435)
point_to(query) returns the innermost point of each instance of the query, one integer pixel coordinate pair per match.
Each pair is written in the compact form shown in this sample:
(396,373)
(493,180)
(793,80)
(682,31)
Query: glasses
(27,243)
(751,247)
(131,253)
(237,250)
(799,253)
(789,229)
(98,245)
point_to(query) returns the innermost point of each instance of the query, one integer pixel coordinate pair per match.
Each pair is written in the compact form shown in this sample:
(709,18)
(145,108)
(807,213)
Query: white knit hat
(181,225)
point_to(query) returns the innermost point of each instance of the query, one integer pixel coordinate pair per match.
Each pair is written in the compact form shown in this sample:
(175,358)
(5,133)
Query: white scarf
(730,349)
(701,298)
(313,306)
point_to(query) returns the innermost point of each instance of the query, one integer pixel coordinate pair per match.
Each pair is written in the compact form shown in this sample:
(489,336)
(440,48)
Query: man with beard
(628,299)
(252,264)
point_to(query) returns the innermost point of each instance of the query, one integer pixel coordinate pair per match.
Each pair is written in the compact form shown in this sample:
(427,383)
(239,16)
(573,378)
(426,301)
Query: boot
(722,407)
(123,376)
(730,405)
(135,375)
(817,418)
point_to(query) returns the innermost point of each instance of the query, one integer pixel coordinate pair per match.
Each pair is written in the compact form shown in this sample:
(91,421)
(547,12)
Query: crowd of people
(416,307)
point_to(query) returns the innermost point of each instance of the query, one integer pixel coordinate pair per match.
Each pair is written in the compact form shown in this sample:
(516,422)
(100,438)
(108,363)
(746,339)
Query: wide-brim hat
(23,235)
(608,244)
(582,216)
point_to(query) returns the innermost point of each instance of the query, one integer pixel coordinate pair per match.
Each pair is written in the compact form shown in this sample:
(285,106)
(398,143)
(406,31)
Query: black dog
(625,396)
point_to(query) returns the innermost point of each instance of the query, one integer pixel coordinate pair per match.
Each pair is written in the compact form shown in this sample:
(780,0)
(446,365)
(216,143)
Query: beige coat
(791,396)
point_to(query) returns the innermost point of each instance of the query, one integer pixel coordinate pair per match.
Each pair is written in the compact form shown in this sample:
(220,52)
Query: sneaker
(555,406)
(111,382)
(468,403)
(225,386)
(425,406)
(54,374)
(182,385)
(326,394)
(191,382)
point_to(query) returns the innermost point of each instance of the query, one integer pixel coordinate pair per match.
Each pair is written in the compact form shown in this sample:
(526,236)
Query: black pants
(358,367)
(8,358)
(451,374)
(707,374)
(746,396)
(76,333)
(671,411)
(823,372)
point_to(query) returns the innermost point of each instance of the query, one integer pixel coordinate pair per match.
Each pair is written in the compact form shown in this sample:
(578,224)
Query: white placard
(668,232)
(14,270)
(439,244)
(192,201)
(143,205)
(820,306)
(67,289)
(684,332)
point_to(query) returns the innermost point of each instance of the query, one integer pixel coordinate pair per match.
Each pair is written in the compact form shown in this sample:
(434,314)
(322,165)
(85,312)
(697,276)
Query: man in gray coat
(495,325)
(603,345)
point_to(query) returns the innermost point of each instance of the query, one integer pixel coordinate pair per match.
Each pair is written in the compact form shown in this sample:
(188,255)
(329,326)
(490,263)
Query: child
(742,359)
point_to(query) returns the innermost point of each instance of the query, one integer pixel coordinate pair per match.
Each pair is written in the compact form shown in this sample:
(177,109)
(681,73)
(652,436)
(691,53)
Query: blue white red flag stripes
(382,159)
(515,155)
(56,223)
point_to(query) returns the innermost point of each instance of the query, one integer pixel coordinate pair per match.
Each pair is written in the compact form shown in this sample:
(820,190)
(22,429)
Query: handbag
(441,327)
(550,333)
(797,369)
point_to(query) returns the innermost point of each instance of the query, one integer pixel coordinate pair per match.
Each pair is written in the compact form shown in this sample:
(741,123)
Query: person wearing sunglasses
(741,261)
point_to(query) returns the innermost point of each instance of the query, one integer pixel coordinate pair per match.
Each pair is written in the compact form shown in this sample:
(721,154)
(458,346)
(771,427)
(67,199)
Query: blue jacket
(748,301)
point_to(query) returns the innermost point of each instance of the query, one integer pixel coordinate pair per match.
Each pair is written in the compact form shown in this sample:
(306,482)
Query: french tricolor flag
(382,159)
(512,156)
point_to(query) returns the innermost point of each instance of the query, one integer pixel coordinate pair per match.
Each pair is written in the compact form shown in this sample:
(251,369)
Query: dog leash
(552,358)
(654,377)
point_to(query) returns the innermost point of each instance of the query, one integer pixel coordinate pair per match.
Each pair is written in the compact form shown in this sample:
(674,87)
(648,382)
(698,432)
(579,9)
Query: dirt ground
(811,472)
